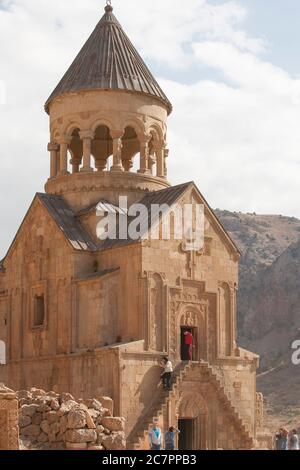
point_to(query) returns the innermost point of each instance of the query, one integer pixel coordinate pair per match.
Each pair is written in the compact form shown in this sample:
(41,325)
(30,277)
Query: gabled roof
(2,269)
(166,196)
(97,275)
(103,206)
(66,220)
(109,61)
(78,237)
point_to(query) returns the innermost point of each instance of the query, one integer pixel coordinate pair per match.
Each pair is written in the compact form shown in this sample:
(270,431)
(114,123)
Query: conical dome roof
(109,61)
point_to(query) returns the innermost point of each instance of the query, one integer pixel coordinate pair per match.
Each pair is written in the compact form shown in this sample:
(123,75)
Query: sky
(230,68)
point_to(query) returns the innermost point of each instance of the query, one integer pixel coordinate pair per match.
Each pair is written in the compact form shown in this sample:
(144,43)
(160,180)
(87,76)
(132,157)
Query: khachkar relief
(9,428)
(36,260)
(192,307)
(193,256)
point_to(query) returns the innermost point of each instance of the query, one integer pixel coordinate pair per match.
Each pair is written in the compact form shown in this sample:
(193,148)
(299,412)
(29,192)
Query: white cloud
(162,30)
(238,138)
(2,92)
(241,140)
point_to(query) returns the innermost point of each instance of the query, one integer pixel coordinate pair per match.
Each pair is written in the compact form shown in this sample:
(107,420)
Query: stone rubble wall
(49,420)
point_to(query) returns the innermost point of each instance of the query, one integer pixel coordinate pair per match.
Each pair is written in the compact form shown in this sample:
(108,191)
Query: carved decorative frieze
(259,412)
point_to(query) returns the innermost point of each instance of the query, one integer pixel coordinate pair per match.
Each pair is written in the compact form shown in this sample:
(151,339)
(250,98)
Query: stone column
(144,161)
(87,137)
(128,164)
(9,419)
(100,165)
(160,158)
(166,156)
(53,149)
(116,136)
(64,145)
(75,162)
(152,162)
(234,315)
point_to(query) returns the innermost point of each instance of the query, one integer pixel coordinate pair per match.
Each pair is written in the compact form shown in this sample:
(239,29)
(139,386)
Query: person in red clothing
(189,342)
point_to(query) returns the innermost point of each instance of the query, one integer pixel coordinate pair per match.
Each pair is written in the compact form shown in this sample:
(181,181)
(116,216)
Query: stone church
(84,315)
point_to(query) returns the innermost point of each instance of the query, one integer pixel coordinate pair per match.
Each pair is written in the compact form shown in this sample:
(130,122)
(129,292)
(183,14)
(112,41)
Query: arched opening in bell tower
(130,149)
(75,150)
(102,147)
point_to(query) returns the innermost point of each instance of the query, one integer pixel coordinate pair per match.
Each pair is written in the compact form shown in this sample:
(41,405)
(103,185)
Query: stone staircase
(160,402)
(227,402)
(156,408)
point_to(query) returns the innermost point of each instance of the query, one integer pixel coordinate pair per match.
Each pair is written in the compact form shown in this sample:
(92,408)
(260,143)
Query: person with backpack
(155,437)
(170,438)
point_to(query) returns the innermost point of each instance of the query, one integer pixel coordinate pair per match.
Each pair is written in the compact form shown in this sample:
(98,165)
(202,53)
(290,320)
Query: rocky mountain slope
(269,303)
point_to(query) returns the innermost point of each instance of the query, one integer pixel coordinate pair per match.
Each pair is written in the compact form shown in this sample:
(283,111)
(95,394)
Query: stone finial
(6,393)
(108,8)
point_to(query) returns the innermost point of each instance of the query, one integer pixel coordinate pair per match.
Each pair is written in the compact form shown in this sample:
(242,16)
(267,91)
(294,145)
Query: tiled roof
(103,206)
(166,197)
(109,61)
(67,222)
(98,274)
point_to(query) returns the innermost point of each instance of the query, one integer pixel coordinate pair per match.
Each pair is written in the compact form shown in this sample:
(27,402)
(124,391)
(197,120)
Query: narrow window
(39,311)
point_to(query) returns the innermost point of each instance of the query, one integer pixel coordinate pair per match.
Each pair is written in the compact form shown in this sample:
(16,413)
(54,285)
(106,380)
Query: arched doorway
(193,322)
(193,422)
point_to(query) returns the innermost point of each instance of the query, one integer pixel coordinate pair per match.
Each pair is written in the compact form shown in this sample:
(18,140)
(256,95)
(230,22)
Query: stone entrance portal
(193,422)
(186,436)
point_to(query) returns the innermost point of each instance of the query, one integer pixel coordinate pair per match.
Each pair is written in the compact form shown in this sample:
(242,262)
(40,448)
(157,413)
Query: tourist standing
(170,438)
(279,440)
(155,437)
(284,440)
(293,440)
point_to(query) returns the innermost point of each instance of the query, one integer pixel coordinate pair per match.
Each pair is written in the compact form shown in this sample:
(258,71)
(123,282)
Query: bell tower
(108,123)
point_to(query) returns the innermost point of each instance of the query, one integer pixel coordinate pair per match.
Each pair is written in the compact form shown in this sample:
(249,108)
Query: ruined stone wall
(51,421)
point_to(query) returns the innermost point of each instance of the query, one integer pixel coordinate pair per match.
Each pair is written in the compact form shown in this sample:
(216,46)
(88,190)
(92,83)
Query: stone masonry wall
(85,374)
